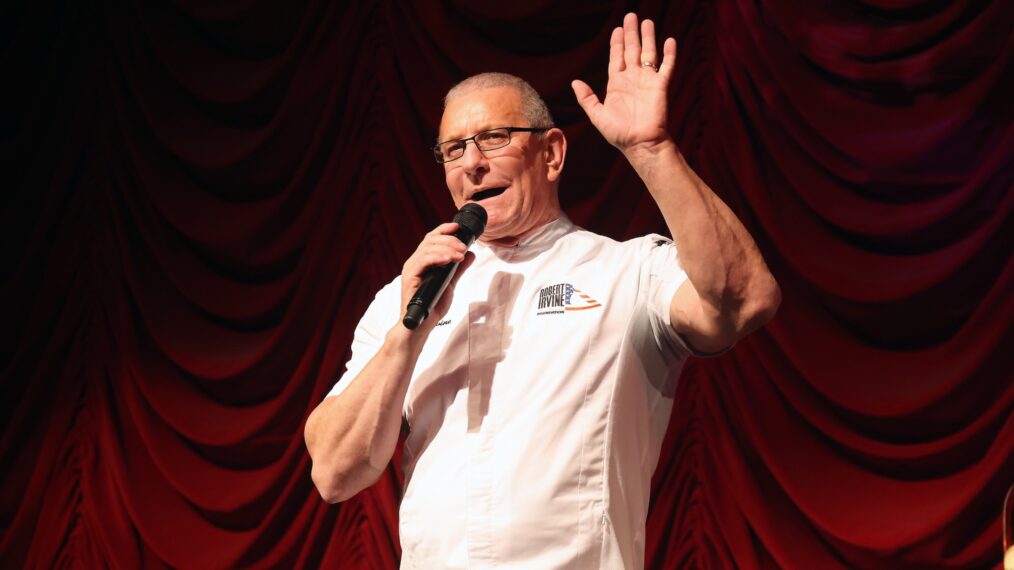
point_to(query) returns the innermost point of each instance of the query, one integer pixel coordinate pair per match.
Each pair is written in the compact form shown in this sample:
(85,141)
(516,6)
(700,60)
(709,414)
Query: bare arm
(351,437)
(729,291)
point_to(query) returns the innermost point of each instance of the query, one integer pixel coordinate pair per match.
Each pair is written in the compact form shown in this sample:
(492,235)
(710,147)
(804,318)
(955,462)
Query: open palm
(634,112)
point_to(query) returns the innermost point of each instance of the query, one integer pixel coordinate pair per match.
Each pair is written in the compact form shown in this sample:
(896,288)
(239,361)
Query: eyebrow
(486,127)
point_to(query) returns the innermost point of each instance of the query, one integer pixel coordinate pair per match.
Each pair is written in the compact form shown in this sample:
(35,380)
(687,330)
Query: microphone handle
(434,282)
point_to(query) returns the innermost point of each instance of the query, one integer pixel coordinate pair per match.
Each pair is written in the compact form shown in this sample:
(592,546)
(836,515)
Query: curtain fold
(204,199)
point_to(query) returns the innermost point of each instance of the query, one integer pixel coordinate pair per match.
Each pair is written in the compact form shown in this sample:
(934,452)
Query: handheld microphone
(471,220)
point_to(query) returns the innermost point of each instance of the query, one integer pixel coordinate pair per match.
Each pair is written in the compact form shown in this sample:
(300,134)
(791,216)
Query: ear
(555,150)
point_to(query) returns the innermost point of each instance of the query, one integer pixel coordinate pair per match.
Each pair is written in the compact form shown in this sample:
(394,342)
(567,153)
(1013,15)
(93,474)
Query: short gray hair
(533,107)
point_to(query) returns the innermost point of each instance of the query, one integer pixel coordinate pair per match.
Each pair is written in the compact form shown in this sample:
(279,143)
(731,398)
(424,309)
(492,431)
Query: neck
(510,241)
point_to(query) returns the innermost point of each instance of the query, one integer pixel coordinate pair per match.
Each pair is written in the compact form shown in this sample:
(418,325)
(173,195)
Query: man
(538,392)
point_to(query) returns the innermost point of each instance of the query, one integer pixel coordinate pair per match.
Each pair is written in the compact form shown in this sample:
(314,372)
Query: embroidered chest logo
(562,297)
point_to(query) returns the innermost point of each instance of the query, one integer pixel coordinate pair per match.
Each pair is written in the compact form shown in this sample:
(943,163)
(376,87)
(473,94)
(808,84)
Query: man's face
(512,183)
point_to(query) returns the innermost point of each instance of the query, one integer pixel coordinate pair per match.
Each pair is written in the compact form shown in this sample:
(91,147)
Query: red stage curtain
(202,199)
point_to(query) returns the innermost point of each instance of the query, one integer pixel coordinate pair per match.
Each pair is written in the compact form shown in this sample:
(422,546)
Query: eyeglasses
(486,140)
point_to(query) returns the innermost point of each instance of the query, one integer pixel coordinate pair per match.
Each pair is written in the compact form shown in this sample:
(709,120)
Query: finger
(445,300)
(419,263)
(665,69)
(444,229)
(586,98)
(448,242)
(616,50)
(453,247)
(631,41)
(434,253)
(648,53)
(466,262)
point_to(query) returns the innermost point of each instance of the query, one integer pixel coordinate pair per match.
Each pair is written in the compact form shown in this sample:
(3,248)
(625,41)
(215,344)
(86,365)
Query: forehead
(479,109)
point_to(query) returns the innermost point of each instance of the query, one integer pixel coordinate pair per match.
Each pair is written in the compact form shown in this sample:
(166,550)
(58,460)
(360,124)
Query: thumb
(445,300)
(586,97)
(462,267)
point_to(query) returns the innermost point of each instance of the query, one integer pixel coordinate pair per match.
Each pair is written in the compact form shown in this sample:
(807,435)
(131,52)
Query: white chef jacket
(539,403)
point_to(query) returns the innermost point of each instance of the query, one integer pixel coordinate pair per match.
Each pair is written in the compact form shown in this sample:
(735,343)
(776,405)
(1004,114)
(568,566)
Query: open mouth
(489,193)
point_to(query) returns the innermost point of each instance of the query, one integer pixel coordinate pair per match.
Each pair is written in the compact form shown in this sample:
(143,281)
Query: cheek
(454,186)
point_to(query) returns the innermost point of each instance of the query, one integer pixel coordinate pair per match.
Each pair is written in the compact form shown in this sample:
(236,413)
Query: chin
(493,221)
(498,222)
(490,234)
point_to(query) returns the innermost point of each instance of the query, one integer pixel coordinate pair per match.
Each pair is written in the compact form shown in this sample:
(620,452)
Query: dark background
(201,199)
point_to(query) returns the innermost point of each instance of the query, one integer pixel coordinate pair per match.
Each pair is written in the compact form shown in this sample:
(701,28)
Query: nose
(473,161)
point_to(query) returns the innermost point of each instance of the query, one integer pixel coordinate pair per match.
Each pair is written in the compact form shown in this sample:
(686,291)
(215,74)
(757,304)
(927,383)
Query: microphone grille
(472,217)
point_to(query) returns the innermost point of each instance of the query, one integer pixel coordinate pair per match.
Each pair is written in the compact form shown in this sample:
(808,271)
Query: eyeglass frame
(464,142)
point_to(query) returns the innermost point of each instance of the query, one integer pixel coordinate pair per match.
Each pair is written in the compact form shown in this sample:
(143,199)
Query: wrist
(646,152)
(400,337)
(651,160)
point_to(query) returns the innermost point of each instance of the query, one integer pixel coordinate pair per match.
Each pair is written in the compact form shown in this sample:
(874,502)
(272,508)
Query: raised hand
(633,116)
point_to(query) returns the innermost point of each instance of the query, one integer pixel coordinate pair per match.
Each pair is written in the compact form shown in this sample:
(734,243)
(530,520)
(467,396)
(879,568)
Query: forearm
(720,258)
(351,437)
